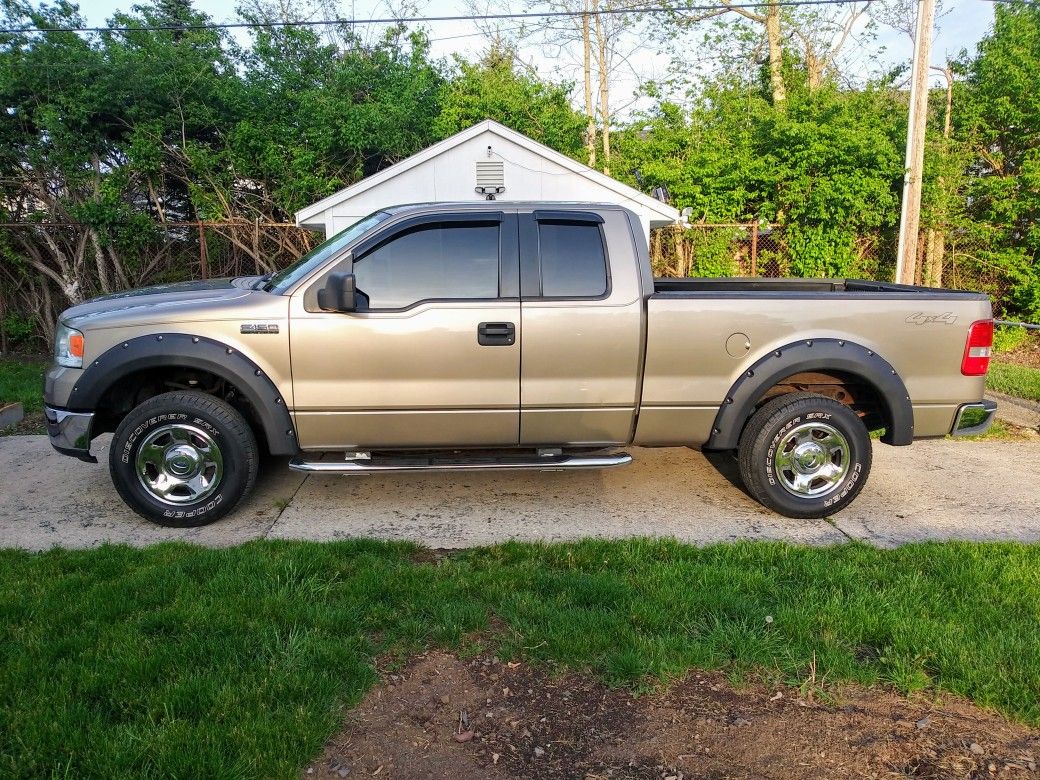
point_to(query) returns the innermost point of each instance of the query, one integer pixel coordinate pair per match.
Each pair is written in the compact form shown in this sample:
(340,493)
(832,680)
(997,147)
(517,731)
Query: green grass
(1015,380)
(998,430)
(177,661)
(22,380)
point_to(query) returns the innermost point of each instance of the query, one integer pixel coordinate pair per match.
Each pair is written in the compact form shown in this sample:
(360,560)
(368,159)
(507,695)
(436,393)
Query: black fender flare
(814,355)
(187,351)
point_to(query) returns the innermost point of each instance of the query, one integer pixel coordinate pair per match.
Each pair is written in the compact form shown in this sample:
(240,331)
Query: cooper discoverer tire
(183,459)
(804,455)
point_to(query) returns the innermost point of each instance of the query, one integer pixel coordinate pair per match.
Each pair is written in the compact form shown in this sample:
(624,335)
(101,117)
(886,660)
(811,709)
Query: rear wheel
(805,455)
(183,459)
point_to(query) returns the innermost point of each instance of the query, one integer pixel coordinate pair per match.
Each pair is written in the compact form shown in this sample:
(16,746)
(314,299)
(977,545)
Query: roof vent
(491,178)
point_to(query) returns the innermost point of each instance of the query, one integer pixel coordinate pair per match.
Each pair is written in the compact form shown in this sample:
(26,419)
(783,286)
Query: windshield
(314,259)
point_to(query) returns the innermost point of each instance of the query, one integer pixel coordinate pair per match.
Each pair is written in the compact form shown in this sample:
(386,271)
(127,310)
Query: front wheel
(804,455)
(183,459)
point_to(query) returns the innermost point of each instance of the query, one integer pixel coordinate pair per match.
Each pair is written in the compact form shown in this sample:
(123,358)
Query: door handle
(496,334)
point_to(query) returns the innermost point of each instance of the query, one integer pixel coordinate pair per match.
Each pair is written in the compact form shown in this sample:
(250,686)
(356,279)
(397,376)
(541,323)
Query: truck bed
(800,287)
(704,334)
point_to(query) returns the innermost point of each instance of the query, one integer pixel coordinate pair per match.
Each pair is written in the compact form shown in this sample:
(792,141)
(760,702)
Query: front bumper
(69,432)
(974,419)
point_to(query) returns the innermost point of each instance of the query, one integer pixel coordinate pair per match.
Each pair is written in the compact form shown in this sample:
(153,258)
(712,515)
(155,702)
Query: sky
(961,24)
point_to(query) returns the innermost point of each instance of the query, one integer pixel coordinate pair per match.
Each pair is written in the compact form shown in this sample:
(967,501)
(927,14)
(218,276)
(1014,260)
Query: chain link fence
(753,249)
(954,259)
(46,266)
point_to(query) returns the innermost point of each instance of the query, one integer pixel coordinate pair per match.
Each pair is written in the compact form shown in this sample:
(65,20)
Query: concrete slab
(949,489)
(932,490)
(47,499)
(669,492)
(1017,411)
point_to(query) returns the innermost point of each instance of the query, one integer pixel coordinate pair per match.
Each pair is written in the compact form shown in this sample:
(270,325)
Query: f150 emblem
(259,327)
(920,318)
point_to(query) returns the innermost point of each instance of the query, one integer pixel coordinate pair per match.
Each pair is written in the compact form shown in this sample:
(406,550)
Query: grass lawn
(21,379)
(178,661)
(1016,380)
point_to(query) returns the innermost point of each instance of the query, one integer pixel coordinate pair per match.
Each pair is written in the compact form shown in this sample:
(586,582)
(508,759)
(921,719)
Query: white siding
(451,176)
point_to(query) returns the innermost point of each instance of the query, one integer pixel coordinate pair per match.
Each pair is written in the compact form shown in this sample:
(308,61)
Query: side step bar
(427,464)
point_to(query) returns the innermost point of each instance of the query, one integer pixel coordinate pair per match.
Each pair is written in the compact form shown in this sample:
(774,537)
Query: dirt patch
(443,717)
(33,423)
(1026,355)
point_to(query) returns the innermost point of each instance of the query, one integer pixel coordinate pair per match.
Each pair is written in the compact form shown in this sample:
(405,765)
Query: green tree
(826,167)
(999,121)
(124,132)
(492,89)
(317,118)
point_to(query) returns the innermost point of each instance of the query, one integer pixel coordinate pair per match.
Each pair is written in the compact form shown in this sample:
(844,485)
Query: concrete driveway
(932,490)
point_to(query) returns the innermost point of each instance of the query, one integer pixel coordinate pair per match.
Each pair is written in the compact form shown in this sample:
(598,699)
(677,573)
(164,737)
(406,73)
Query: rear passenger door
(582,328)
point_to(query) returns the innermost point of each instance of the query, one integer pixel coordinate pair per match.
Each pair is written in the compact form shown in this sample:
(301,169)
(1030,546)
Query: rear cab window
(573,259)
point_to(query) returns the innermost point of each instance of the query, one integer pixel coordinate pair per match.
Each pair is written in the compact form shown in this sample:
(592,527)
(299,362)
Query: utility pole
(910,214)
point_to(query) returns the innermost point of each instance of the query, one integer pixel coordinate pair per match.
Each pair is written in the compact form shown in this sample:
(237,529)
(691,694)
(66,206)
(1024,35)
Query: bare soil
(443,717)
(33,423)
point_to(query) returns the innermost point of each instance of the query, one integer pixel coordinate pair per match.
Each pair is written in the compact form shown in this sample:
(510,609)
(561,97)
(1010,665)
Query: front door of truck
(431,356)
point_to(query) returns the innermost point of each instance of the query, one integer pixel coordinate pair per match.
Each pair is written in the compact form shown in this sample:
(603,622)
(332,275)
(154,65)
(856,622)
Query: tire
(804,455)
(183,459)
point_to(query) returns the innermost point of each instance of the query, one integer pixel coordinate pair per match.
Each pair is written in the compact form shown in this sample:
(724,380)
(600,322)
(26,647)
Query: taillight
(978,349)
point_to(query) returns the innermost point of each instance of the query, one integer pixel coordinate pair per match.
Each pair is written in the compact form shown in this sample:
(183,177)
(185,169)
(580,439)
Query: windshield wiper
(263,282)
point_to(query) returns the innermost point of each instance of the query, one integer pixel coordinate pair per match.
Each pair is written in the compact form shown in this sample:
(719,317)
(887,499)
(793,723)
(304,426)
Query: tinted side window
(573,262)
(441,260)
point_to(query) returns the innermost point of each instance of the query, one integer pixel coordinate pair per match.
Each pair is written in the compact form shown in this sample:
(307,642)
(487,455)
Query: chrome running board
(426,464)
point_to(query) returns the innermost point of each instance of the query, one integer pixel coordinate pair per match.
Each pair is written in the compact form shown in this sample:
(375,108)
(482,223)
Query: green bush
(20,330)
(1007,338)
(713,253)
(818,251)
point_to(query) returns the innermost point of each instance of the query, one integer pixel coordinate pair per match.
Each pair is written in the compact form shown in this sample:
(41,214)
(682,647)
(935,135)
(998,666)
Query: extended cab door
(581,358)
(432,356)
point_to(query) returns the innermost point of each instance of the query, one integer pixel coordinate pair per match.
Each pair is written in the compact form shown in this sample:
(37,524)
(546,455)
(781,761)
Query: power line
(420,19)
(473,34)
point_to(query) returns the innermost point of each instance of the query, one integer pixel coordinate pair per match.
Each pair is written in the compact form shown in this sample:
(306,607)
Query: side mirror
(339,293)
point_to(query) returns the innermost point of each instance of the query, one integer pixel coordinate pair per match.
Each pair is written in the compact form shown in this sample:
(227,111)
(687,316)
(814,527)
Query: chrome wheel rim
(812,460)
(179,464)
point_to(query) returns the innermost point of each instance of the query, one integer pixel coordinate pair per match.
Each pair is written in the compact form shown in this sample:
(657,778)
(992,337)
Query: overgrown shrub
(713,252)
(20,331)
(1007,338)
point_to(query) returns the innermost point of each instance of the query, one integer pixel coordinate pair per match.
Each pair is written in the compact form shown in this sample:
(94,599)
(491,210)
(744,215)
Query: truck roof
(492,204)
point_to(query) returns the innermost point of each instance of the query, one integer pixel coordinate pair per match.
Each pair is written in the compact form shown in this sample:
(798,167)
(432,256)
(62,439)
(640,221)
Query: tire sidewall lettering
(773,444)
(151,422)
(180,514)
(850,483)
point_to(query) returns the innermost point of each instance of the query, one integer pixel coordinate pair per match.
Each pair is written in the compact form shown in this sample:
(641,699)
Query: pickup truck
(507,335)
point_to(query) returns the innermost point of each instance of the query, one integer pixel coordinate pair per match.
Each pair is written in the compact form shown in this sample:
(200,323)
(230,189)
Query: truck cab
(509,326)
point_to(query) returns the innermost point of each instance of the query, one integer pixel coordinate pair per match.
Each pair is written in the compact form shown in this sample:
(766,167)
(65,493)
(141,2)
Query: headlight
(68,347)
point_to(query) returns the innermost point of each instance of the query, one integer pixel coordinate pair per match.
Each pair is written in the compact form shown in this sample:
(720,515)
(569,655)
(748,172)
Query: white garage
(485,160)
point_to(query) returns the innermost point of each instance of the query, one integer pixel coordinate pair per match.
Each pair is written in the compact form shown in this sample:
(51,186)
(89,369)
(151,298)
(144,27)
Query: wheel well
(135,388)
(854,391)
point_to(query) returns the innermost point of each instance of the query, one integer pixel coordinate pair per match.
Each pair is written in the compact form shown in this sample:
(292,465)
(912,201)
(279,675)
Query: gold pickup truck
(497,335)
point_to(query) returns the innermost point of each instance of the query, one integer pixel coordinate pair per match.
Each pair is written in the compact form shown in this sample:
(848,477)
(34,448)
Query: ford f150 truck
(496,335)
